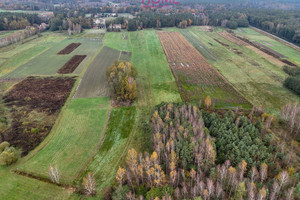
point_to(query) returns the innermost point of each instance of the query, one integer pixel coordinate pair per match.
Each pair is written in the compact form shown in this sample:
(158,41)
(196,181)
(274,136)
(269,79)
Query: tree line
(15,21)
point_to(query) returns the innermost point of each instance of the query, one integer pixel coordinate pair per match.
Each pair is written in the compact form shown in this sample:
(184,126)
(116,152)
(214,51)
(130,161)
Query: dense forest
(14,21)
(203,155)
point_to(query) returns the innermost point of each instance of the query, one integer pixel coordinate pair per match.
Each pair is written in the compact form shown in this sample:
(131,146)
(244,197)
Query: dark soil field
(34,104)
(71,65)
(68,49)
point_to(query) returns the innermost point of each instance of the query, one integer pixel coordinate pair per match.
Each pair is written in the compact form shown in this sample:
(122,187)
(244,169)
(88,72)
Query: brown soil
(232,38)
(68,49)
(34,105)
(71,65)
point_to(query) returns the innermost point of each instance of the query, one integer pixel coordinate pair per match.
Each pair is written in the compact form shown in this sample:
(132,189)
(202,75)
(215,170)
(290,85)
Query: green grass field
(15,55)
(72,141)
(281,48)
(105,164)
(16,187)
(49,62)
(257,79)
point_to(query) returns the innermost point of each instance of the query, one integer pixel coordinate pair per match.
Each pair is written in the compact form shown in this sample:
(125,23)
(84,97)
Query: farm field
(18,54)
(125,130)
(196,78)
(290,53)
(34,105)
(93,82)
(255,77)
(105,164)
(149,58)
(72,141)
(49,62)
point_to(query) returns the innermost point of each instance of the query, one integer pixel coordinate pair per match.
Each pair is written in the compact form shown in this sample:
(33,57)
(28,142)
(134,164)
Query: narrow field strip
(196,78)
(68,49)
(106,162)
(155,80)
(93,82)
(78,133)
(71,65)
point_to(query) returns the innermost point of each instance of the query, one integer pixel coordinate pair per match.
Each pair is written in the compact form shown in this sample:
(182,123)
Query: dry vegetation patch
(231,38)
(68,49)
(34,105)
(71,65)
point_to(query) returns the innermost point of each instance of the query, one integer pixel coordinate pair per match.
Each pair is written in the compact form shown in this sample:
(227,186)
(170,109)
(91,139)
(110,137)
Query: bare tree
(89,184)
(54,174)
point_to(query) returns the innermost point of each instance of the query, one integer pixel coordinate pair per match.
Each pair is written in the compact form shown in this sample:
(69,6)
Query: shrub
(293,83)
(8,156)
(292,71)
(120,193)
(3,146)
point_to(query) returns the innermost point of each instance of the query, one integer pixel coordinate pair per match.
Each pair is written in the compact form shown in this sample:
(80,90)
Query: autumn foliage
(184,165)
(121,79)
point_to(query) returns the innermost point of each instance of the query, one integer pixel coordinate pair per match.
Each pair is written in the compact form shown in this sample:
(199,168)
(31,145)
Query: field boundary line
(46,141)
(45,180)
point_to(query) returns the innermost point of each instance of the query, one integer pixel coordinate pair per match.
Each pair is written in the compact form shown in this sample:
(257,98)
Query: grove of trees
(192,159)
(15,21)
(121,77)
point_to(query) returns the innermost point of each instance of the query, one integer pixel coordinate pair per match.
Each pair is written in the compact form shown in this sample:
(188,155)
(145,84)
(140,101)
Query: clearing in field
(34,105)
(68,49)
(93,82)
(75,138)
(196,78)
(71,65)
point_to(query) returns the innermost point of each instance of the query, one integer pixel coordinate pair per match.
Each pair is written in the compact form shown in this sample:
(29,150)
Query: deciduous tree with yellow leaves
(121,77)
